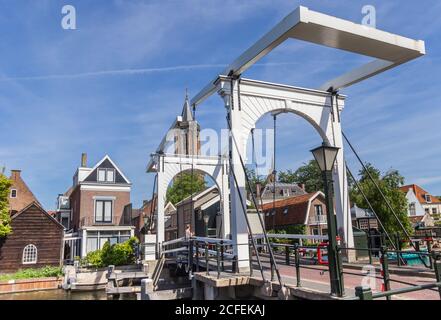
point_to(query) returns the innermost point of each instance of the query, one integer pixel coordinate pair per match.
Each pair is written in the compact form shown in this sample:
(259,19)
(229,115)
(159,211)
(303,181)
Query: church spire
(186,111)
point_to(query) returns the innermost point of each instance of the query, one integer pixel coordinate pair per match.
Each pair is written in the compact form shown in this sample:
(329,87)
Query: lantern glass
(325,156)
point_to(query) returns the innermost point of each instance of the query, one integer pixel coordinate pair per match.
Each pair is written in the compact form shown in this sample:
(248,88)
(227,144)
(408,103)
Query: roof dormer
(428,198)
(106,172)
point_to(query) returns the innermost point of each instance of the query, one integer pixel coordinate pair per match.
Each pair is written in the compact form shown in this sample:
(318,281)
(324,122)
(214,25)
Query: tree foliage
(254,180)
(309,174)
(389,184)
(117,254)
(5,218)
(184,185)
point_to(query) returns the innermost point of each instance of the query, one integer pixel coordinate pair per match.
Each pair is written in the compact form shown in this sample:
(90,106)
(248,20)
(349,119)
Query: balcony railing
(318,220)
(122,220)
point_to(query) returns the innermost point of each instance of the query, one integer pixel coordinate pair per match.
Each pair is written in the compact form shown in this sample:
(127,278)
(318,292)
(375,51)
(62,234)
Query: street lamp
(325,156)
(206,218)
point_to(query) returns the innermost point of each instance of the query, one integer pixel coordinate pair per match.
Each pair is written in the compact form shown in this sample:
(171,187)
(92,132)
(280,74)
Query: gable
(420,194)
(24,195)
(106,164)
(35,209)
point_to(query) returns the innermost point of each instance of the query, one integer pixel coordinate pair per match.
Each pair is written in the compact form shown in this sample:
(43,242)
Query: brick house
(36,240)
(20,196)
(96,207)
(306,209)
(282,191)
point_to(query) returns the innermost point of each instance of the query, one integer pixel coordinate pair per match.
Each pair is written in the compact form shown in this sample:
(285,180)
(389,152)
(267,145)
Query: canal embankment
(26,285)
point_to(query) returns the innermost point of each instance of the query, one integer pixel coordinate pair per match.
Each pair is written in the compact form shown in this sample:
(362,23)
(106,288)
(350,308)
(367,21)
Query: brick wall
(87,202)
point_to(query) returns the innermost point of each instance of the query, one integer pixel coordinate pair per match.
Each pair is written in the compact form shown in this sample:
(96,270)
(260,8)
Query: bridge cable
(383,196)
(255,164)
(272,259)
(369,204)
(274,172)
(152,205)
(244,210)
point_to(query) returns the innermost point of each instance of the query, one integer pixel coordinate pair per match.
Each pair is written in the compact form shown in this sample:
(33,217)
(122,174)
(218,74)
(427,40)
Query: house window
(363,224)
(65,222)
(318,209)
(428,198)
(13,193)
(30,254)
(285,211)
(102,175)
(106,175)
(97,239)
(103,211)
(412,209)
(426,210)
(434,211)
(110,175)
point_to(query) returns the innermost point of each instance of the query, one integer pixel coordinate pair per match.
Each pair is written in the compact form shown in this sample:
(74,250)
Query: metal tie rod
(381,192)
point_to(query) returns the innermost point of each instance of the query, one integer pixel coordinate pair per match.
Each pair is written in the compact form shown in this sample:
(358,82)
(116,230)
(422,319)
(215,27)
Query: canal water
(60,294)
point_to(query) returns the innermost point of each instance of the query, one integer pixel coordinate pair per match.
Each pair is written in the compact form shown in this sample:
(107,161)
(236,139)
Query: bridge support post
(160,231)
(341,190)
(238,225)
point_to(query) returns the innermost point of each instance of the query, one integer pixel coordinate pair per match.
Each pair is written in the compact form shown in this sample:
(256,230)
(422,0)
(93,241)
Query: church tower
(187,132)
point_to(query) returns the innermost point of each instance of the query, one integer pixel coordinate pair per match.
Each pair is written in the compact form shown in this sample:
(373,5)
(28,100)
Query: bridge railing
(214,254)
(365,293)
(316,253)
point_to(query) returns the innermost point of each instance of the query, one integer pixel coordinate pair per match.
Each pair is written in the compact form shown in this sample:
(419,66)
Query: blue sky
(114,85)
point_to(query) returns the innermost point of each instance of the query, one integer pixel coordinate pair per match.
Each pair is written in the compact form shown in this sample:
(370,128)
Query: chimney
(84,160)
(15,174)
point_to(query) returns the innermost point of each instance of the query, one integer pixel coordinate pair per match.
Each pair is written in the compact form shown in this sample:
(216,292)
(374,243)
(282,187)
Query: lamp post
(206,218)
(325,156)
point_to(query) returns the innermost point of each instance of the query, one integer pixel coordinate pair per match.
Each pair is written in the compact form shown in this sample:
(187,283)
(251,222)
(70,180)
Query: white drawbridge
(246,101)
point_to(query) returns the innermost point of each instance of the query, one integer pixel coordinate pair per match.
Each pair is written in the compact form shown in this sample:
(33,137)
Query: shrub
(43,272)
(116,254)
(94,259)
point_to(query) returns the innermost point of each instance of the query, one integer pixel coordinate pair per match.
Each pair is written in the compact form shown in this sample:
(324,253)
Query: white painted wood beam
(390,49)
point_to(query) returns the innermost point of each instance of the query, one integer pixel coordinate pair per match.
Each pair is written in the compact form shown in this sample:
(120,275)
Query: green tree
(184,185)
(5,218)
(389,184)
(117,254)
(254,180)
(309,174)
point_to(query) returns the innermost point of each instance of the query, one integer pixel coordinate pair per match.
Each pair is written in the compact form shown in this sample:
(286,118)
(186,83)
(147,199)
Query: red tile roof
(52,213)
(420,192)
(297,200)
(297,210)
(416,219)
